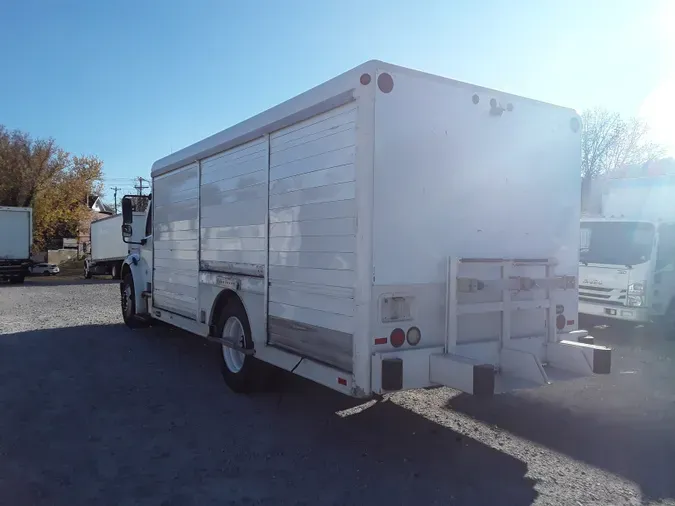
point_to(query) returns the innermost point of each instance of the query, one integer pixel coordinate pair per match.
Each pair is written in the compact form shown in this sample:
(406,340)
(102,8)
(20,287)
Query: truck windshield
(617,243)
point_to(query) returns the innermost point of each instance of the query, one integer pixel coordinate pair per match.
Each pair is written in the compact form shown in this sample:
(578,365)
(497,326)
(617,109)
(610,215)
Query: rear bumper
(625,313)
(481,369)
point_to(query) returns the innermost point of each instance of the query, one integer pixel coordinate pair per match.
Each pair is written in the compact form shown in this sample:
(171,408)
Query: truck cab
(626,268)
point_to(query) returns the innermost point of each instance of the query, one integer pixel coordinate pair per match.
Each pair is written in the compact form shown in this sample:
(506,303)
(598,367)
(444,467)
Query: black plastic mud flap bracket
(602,360)
(392,374)
(483,380)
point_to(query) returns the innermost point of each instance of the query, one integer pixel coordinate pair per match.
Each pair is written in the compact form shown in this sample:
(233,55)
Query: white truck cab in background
(627,255)
(386,230)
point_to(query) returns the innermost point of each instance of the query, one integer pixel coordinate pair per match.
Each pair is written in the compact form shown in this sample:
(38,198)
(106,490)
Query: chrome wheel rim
(233,331)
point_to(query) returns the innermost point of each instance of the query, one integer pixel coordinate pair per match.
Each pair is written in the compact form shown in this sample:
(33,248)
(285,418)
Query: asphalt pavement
(94,413)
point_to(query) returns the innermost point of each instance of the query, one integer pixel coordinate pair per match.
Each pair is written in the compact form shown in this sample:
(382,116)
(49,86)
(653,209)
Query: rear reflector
(380,340)
(570,322)
(342,381)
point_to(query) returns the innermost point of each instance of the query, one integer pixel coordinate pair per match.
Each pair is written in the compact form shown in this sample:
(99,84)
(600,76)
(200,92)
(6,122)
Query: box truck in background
(16,230)
(386,230)
(107,249)
(627,253)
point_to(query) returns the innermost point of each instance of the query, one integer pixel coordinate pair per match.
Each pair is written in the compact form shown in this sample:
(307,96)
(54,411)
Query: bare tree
(608,142)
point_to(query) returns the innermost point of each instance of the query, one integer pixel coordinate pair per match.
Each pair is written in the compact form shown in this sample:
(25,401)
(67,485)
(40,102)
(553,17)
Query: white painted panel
(235,243)
(335,244)
(316,147)
(323,319)
(338,261)
(298,139)
(175,254)
(233,183)
(243,169)
(185,245)
(233,231)
(315,276)
(171,264)
(237,155)
(320,302)
(314,179)
(337,226)
(340,118)
(451,179)
(186,278)
(308,288)
(212,197)
(236,256)
(175,226)
(312,233)
(337,158)
(177,288)
(323,210)
(176,236)
(342,191)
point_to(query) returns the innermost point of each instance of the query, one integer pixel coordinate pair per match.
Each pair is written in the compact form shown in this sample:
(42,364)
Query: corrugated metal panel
(234,206)
(176,241)
(312,236)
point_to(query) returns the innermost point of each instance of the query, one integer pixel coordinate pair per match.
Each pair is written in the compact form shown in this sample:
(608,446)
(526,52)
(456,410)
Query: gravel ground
(93,413)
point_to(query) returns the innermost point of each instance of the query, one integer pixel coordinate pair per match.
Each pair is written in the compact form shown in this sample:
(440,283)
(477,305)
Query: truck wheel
(129,303)
(87,272)
(668,322)
(242,373)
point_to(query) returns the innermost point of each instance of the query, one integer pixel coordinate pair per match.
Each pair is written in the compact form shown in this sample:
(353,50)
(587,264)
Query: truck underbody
(14,270)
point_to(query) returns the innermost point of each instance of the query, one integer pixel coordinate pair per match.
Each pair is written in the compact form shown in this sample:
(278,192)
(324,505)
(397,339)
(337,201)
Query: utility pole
(140,186)
(115,189)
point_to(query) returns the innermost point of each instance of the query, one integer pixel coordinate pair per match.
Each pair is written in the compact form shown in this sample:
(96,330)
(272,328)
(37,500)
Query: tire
(128,303)
(242,373)
(46,273)
(667,323)
(87,272)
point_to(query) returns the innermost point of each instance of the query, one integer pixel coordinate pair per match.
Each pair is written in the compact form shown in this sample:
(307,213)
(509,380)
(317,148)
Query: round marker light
(414,335)
(397,338)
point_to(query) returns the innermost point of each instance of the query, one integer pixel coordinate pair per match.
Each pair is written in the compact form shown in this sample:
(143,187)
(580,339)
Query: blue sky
(131,81)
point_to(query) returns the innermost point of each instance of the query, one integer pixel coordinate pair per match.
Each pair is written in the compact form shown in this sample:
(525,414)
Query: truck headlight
(635,300)
(636,289)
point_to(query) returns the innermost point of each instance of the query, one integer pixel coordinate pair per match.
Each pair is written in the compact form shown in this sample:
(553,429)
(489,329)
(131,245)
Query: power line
(140,186)
(115,197)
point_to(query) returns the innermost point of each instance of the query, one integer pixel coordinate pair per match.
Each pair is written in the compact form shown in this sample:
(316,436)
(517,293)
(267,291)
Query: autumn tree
(609,142)
(56,184)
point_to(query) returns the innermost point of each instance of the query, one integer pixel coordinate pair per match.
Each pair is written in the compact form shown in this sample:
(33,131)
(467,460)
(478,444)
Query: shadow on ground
(105,415)
(66,281)
(624,423)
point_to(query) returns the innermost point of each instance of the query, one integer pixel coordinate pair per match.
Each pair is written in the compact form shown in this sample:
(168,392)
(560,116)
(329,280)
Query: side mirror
(127,212)
(126,231)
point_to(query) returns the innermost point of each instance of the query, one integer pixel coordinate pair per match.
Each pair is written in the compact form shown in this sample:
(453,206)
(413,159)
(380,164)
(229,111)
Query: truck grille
(603,295)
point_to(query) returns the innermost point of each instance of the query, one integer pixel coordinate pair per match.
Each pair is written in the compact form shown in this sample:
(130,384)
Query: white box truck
(627,258)
(107,247)
(386,230)
(16,230)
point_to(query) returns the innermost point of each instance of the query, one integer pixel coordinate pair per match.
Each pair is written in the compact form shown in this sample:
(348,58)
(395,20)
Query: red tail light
(397,338)
(560,321)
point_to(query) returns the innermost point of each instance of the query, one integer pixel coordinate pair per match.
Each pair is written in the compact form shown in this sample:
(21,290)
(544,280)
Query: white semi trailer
(107,248)
(386,230)
(16,230)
